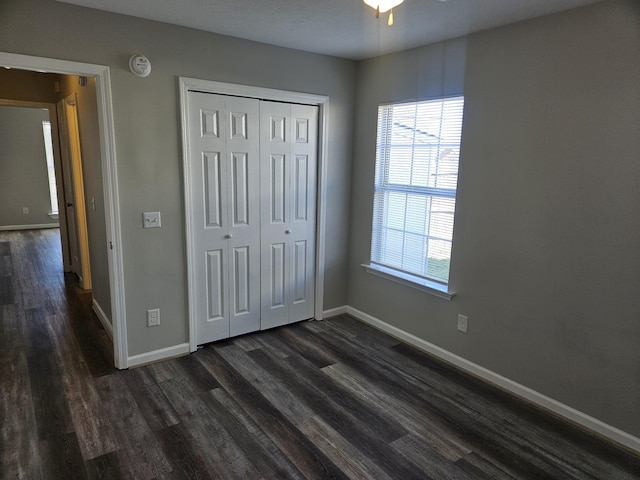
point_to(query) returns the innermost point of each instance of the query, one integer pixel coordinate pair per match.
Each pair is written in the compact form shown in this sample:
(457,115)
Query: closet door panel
(304,151)
(243,203)
(288,178)
(275,165)
(223,152)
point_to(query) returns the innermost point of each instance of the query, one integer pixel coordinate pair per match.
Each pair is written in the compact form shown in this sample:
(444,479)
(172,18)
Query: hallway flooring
(330,399)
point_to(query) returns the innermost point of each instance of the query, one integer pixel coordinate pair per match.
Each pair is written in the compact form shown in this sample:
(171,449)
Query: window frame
(51,169)
(382,186)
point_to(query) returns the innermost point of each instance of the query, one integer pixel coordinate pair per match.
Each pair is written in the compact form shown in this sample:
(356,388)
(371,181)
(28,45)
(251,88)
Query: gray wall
(87,107)
(148,136)
(545,255)
(23,167)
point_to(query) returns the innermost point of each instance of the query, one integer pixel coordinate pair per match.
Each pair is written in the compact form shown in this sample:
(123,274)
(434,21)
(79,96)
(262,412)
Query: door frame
(186,85)
(110,180)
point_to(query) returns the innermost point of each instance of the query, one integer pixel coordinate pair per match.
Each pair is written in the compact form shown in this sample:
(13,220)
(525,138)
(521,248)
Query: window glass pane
(51,172)
(417,157)
(414,251)
(396,206)
(400,165)
(416,214)
(441,224)
(392,248)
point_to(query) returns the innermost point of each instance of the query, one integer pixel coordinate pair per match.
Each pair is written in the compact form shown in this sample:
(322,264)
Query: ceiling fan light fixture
(383,5)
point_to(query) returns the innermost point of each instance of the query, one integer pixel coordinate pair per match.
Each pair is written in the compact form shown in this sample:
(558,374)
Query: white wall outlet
(25,210)
(153,317)
(151,220)
(463,323)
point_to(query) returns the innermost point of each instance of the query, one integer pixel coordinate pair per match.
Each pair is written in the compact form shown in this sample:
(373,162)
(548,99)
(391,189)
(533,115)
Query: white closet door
(288,156)
(224,147)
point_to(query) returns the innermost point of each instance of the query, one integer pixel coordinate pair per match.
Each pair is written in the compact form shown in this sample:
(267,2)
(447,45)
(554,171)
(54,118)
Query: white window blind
(417,156)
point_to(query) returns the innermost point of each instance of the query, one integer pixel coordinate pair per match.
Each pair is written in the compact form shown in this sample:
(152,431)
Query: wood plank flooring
(329,400)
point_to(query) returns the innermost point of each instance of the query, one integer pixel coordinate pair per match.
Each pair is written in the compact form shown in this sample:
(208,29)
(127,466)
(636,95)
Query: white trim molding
(413,281)
(334,312)
(160,354)
(35,226)
(110,179)
(186,85)
(104,320)
(569,413)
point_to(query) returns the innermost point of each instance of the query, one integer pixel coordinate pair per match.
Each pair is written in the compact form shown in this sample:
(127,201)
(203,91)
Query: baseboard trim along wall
(35,226)
(334,312)
(526,393)
(161,354)
(104,320)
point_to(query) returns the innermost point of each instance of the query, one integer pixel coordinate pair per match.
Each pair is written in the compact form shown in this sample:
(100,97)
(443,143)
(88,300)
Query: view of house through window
(417,155)
(48,147)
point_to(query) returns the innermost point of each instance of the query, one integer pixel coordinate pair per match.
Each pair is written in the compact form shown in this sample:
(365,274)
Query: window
(51,171)
(417,154)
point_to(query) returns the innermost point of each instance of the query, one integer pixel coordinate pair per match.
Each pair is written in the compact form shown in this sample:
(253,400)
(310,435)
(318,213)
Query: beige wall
(147,129)
(23,167)
(545,254)
(27,86)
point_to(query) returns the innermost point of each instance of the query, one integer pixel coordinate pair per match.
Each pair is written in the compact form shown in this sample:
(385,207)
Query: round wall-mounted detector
(140,65)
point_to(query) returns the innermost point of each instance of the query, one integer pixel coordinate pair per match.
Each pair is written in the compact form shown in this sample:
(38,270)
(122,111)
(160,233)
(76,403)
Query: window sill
(432,288)
(53,216)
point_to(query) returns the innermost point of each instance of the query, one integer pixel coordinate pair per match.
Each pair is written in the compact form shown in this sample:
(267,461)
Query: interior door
(67,182)
(74,194)
(288,156)
(223,146)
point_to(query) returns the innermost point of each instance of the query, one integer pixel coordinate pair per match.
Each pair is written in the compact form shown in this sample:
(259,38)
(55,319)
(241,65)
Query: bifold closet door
(223,149)
(288,164)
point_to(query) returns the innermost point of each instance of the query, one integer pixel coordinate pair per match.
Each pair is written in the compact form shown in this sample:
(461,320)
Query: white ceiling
(342,28)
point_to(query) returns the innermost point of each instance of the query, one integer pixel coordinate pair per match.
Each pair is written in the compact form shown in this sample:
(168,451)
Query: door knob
(228,235)
(287,232)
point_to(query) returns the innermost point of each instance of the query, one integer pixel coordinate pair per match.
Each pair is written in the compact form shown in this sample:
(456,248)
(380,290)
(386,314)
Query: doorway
(106,148)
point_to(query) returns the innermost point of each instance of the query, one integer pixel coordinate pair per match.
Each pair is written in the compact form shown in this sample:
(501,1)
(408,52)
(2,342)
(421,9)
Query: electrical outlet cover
(153,317)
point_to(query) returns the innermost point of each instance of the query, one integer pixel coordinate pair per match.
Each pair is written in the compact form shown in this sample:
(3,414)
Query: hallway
(50,344)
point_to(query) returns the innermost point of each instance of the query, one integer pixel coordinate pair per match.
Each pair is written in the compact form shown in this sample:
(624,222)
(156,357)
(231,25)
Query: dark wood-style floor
(330,399)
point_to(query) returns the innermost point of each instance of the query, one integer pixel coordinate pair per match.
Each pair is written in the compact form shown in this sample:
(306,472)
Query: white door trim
(110,180)
(322,101)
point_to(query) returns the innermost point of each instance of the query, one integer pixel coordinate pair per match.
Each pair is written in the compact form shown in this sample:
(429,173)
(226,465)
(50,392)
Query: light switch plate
(463,323)
(151,220)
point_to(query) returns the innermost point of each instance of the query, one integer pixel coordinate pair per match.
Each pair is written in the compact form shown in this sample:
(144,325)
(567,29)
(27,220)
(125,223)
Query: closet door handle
(228,235)
(287,232)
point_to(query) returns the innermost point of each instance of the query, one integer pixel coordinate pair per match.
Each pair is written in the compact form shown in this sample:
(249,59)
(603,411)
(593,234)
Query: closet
(253,195)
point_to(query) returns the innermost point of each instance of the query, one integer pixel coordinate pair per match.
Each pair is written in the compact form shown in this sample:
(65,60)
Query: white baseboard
(161,354)
(104,320)
(35,226)
(334,312)
(547,403)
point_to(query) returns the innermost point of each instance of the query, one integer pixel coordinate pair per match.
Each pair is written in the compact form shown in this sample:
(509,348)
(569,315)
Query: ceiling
(342,28)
